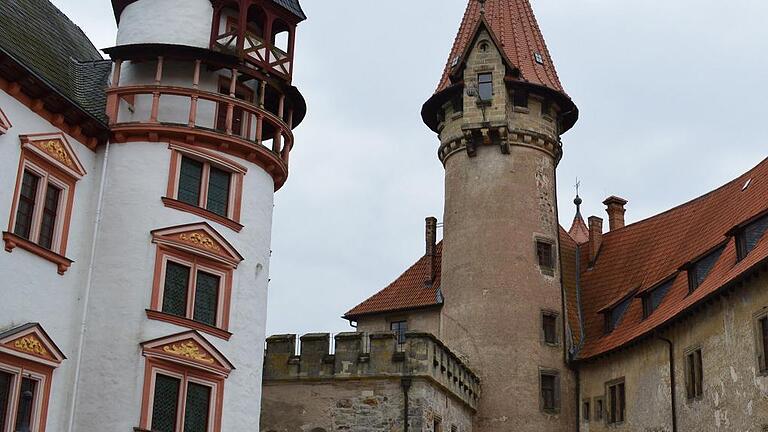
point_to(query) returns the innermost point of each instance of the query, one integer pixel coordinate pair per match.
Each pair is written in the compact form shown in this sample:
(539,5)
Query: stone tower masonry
(499,112)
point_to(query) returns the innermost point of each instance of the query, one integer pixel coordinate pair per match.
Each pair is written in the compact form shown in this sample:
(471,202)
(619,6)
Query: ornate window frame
(199,247)
(52,159)
(209,159)
(28,352)
(5,124)
(191,358)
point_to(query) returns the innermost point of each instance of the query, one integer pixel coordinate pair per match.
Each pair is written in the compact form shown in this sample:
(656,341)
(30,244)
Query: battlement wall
(421,356)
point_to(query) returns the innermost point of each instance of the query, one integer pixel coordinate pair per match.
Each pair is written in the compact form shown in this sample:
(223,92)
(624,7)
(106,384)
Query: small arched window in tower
(483,46)
(280,36)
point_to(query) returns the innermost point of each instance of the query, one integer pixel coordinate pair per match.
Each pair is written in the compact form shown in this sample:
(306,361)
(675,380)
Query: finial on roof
(578,199)
(482,6)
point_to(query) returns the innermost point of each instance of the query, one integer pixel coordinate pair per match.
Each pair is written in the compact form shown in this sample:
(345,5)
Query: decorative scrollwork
(57,150)
(190,350)
(200,240)
(32,345)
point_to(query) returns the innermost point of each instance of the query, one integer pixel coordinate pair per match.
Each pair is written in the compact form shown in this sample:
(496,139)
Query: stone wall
(360,389)
(735,394)
(423,320)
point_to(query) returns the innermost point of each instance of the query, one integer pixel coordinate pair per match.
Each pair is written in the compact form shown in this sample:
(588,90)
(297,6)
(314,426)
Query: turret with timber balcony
(216,74)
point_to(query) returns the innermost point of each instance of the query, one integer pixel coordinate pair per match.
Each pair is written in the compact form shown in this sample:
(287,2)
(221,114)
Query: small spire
(578,199)
(482,6)
(579,231)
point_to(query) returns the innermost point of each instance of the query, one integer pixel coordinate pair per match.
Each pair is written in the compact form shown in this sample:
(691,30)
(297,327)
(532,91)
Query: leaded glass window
(190,180)
(50,210)
(5,395)
(175,289)
(165,403)
(197,408)
(218,191)
(206,298)
(26,206)
(700,270)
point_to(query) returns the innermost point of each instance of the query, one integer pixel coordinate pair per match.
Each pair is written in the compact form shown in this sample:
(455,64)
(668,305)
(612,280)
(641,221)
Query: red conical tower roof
(515,29)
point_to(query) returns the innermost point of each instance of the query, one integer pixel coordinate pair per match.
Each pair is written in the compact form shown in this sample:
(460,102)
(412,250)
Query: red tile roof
(579,231)
(641,256)
(513,25)
(409,291)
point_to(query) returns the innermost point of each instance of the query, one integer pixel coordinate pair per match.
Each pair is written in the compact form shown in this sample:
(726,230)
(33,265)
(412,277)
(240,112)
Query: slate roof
(409,291)
(40,37)
(514,26)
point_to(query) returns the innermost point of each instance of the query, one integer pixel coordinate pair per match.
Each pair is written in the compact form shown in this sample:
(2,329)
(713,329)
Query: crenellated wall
(361,384)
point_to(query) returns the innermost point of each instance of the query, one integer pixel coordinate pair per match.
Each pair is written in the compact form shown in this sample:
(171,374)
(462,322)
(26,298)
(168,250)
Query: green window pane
(50,209)
(218,191)
(206,298)
(165,404)
(190,179)
(197,408)
(26,205)
(175,289)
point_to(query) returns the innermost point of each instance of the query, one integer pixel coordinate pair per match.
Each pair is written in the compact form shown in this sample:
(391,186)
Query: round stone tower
(499,112)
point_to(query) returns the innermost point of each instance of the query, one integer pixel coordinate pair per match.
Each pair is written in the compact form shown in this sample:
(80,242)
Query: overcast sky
(671,96)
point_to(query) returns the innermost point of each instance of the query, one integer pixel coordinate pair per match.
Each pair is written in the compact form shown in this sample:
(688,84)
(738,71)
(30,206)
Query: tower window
(197,300)
(748,237)
(550,391)
(694,375)
(399,328)
(616,401)
(520,99)
(485,86)
(458,104)
(653,300)
(545,255)
(549,327)
(699,271)
(539,58)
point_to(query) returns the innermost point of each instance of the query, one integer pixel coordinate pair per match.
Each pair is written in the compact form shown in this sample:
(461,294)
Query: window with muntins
(206,185)
(550,391)
(616,402)
(653,299)
(748,237)
(545,255)
(176,398)
(191,292)
(694,375)
(701,268)
(400,328)
(549,327)
(485,86)
(614,315)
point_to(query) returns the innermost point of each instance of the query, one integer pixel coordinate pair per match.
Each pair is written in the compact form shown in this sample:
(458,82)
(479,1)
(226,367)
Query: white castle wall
(136,181)
(178,22)
(32,290)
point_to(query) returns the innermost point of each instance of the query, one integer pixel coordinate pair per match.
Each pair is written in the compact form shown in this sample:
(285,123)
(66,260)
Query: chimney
(595,237)
(431,237)
(615,209)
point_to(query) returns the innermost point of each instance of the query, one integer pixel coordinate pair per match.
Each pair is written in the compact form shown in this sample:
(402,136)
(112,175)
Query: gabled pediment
(31,342)
(458,63)
(199,239)
(189,349)
(55,149)
(5,124)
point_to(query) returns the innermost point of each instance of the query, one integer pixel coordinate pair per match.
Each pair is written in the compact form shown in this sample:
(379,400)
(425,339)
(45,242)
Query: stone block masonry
(364,388)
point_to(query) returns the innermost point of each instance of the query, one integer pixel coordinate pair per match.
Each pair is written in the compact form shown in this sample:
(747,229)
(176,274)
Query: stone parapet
(421,356)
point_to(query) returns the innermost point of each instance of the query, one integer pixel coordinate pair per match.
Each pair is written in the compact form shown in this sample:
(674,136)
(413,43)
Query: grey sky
(670,94)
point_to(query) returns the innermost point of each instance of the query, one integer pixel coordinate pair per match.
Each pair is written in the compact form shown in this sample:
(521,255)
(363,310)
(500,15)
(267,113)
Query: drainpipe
(87,295)
(672,387)
(405,382)
(578,400)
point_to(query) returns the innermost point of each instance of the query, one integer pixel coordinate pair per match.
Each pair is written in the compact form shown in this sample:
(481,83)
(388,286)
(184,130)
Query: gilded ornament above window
(190,350)
(32,345)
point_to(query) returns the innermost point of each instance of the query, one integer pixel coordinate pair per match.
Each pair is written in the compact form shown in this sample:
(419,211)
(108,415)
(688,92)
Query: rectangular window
(206,298)
(586,411)
(197,408)
(400,328)
(5,395)
(437,425)
(549,327)
(750,235)
(165,403)
(26,208)
(218,191)
(190,181)
(701,268)
(175,290)
(653,300)
(26,404)
(762,343)
(520,99)
(694,375)
(485,86)
(544,253)
(599,409)
(50,211)
(550,391)
(616,402)
(458,103)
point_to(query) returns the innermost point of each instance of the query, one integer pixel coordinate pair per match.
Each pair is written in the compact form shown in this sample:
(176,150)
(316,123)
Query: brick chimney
(615,209)
(595,237)
(431,238)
